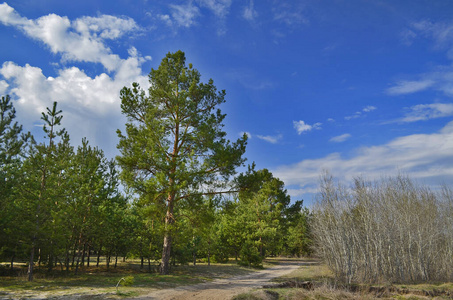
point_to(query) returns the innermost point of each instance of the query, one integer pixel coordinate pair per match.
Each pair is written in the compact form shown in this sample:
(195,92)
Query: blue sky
(358,88)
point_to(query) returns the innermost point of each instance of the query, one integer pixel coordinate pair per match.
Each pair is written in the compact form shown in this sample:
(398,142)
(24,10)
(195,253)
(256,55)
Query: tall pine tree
(174,147)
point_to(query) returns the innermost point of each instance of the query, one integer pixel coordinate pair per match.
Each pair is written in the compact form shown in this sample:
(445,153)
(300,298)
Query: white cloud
(184,15)
(425,157)
(340,138)
(3,87)
(91,105)
(428,111)
(249,13)
(80,40)
(270,139)
(441,32)
(290,14)
(441,78)
(369,108)
(409,87)
(86,102)
(220,8)
(166,19)
(359,114)
(301,126)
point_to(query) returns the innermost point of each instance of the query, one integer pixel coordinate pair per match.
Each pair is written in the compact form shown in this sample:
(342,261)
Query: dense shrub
(392,230)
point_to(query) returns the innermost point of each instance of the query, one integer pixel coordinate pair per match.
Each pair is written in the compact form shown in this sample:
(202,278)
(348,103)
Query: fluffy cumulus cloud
(90,104)
(79,40)
(302,127)
(426,157)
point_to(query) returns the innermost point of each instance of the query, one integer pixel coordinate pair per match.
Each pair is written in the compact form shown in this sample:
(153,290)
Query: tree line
(181,199)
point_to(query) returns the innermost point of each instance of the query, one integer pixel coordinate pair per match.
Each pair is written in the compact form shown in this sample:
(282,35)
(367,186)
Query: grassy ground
(98,282)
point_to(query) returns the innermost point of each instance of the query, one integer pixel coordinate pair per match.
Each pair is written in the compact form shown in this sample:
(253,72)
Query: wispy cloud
(302,127)
(362,113)
(423,112)
(441,33)
(249,13)
(340,138)
(440,79)
(422,156)
(409,87)
(289,13)
(271,139)
(184,15)
(220,8)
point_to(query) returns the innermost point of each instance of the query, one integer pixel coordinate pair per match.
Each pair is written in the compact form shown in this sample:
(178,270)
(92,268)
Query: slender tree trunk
(149,264)
(31,262)
(88,256)
(141,262)
(82,263)
(67,260)
(39,256)
(209,254)
(99,255)
(166,252)
(12,261)
(107,257)
(116,260)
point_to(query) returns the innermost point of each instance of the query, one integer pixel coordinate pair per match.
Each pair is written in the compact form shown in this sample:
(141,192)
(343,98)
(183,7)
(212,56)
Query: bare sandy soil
(224,288)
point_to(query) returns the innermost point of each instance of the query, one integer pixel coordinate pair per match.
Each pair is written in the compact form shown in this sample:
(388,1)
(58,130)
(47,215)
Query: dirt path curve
(224,288)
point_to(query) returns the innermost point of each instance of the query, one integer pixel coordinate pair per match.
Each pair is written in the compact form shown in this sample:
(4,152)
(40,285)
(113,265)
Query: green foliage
(174,149)
(250,256)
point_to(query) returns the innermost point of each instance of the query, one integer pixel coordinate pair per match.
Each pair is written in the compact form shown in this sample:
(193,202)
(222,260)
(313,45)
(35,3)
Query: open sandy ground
(224,288)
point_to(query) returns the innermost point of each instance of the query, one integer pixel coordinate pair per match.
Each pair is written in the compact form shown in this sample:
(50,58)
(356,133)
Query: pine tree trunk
(82,263)
(32,259)
(108,260)
(165,264)
(31,262)
(50,262)
(209,253)
(149,264)
(12,262)
(99,255)
(88,256)
(166,251)
(67,260)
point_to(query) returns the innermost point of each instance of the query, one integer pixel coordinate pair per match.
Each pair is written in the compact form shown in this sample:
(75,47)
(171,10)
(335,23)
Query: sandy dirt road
(224,288)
